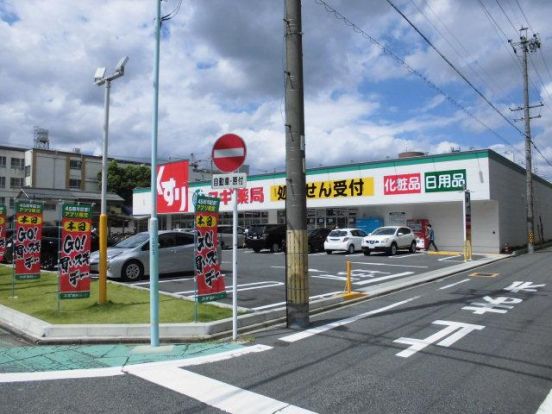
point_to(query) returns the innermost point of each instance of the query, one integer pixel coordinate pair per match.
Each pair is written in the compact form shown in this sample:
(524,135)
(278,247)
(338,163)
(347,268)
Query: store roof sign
(452,180)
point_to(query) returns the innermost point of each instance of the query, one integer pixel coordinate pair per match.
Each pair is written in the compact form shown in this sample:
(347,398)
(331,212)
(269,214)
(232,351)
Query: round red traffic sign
(229,153)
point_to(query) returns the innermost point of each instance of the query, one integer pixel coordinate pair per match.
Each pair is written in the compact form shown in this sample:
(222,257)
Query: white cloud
(222,71)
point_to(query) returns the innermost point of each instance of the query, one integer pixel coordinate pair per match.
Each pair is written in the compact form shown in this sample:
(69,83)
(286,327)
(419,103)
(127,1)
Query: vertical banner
(27,239)
(3,224)
(74,255)
(209,280)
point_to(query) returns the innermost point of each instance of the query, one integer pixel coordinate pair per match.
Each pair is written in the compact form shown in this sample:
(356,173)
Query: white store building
(394,191)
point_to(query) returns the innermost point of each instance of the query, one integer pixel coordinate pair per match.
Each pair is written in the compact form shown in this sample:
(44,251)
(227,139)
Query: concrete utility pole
(297,278)
(527,46)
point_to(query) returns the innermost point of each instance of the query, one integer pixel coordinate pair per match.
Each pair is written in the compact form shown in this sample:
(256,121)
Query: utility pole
(297,278)
(526,46)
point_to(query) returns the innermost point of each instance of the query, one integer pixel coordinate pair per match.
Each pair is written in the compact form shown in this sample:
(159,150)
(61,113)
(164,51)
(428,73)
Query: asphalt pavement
(475,342)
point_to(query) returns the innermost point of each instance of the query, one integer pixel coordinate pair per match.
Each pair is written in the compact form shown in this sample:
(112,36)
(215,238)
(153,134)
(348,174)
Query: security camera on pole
(228,155)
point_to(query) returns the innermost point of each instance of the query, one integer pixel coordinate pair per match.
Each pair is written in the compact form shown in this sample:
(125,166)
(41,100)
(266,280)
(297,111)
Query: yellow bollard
(348,285)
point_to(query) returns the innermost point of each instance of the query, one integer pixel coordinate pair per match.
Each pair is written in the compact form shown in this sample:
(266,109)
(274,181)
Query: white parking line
(319,329)
(407,255)
(454,284)
(379,279)
(450,257)
(241,288)
(182,279)
(387,264)
(275,305)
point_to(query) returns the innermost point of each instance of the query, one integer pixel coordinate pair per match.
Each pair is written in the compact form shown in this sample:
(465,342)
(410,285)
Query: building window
(12,202)
(3,200)
(75,164)
(2,182)
(2,162)
(27,171)
(16,182)
(74,183)
(17,163)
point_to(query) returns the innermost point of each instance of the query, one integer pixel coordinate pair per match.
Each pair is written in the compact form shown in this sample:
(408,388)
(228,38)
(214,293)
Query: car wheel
(275,247)
(366,252)
(311,248)
(256,250)
(393,249)
(132,271)
(329,251)
(351,249)
(413,247)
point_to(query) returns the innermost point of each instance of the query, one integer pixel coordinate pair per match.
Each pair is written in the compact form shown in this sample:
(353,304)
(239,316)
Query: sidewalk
(73,357)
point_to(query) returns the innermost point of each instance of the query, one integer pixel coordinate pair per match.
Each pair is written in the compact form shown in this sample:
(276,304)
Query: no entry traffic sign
(229,153)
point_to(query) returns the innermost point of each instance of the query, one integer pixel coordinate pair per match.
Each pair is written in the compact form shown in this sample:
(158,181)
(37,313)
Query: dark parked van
(266,236)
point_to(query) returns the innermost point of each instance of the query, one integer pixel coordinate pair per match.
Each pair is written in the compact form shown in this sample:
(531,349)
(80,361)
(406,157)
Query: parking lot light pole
(101,79)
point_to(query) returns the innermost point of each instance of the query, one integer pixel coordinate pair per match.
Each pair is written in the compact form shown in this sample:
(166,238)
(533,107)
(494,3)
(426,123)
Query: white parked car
(347,240)
(390,239)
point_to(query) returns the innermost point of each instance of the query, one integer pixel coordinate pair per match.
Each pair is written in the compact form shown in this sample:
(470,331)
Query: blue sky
(222,71)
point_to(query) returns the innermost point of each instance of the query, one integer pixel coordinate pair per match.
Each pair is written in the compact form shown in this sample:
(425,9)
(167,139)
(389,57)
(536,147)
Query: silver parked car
(129,259)
(225,236)
(389,239)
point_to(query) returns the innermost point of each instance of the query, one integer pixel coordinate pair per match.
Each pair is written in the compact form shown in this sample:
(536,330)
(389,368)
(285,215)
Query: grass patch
(125,304)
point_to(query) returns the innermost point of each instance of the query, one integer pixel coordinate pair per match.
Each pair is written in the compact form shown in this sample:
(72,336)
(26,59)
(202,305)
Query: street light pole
(100,79)
(102,280)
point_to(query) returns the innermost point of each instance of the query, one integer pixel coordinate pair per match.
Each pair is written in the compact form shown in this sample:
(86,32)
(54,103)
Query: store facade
(422,189)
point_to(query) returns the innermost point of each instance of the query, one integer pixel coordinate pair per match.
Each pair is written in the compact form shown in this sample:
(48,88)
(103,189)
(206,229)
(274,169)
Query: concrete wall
(447,222)
(509,189)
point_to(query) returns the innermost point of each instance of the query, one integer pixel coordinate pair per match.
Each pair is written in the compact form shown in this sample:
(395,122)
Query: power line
(455,68)
(507,17)
(410,69)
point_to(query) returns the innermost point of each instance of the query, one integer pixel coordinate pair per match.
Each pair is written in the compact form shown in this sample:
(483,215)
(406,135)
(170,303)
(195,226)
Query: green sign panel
(452,180)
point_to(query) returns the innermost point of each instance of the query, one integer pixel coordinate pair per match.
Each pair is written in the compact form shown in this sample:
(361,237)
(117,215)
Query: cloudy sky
(368,95)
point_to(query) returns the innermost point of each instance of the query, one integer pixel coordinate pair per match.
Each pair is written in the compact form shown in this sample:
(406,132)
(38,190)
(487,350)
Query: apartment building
(12,174)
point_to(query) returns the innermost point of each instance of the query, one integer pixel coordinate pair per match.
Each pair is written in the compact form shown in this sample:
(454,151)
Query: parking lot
(261,276)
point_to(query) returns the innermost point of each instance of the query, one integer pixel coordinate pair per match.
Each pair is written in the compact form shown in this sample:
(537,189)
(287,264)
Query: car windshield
(338,233)
(133,241)
(384,231)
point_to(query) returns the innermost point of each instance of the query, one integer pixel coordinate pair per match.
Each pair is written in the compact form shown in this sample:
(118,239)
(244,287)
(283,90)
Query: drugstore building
(411,190)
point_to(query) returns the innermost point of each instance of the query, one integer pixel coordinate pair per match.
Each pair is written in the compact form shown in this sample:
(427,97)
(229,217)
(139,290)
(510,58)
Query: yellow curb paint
(444,253)
(482,274)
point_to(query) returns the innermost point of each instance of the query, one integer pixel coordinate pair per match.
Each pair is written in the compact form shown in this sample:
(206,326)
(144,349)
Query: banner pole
(14,236)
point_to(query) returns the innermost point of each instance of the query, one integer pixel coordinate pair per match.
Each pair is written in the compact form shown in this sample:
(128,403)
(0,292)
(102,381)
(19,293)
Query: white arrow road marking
(319,329)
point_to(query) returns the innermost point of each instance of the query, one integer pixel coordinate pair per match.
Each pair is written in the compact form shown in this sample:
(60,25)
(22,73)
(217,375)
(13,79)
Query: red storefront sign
(2,231)
(74,255)
(402,184)
(209,279)
(172,187)
(27,240)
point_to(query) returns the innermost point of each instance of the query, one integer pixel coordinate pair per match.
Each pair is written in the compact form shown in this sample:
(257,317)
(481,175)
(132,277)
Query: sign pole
(235,266)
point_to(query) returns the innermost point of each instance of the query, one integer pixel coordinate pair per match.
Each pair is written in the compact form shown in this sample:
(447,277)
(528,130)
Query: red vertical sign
(210,282)
(172,187)
(2,231)
(74,255)
(27,240)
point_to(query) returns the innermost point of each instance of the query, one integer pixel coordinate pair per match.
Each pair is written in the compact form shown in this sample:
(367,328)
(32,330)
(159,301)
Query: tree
(122,180)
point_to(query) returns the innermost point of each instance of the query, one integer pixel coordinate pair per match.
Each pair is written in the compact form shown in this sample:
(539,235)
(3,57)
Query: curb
(42,332)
